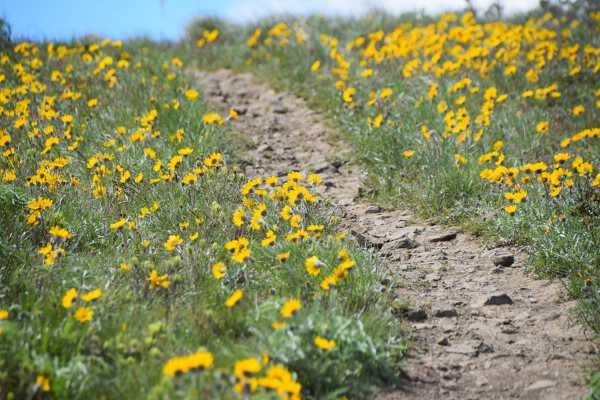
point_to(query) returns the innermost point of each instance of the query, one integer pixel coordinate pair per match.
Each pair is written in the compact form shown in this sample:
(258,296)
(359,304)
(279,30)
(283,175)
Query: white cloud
(249,10)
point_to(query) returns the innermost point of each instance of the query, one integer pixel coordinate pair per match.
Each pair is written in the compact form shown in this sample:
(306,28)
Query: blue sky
(166,19)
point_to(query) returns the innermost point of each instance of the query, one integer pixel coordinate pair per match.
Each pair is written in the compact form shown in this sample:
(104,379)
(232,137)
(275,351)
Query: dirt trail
(482,327)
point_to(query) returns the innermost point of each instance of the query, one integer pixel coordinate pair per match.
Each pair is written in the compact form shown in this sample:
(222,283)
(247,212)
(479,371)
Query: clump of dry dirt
(482,327)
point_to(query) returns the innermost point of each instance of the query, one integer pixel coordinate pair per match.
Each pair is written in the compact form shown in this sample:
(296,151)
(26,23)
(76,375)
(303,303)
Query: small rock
(373,209)
(540,385)
(280,109)
(498,300)
(444,311)
(322,167)
(416,315)
(505,260)
(444,237)
(443,341)
(404,243)
(264,148)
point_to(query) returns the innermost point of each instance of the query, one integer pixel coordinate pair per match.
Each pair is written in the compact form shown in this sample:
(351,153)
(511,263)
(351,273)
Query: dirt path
(481,329)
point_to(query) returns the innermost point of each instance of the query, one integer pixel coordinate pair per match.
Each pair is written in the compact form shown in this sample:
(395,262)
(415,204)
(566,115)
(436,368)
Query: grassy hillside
(492,124)
(137,262)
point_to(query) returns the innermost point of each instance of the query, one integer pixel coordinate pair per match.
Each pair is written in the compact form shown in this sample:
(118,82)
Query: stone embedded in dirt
(416,315)
(322,167)
(444,237)
(443,341)
(280,109)
(443,311)
(541,385)
(367,240)
(404,243)
(505,260)
(264,148)
(373,209)
(498,300)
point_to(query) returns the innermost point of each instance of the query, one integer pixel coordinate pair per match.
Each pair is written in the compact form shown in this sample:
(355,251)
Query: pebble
(505,260)
(498,300)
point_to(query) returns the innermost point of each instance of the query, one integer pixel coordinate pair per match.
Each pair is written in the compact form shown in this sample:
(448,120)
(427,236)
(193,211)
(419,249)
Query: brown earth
(481,326)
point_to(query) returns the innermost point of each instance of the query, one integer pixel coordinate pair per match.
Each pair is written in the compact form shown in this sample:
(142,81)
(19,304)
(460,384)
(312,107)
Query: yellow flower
(40,203)
(191,94)
(511,209)
(92,103)
(290,308)
(442,106)
(385,92)
(542,127)
(279,325)
(596,181)
(234,298)
(43,382)
(172,242)
(119,224)
(283,256)
(578,110)
(212,118)
(246,367)
(313,266)
(69,297)
(324,344)
(408,153)
(219,270)
(238,217)
(315,66)
(125,266)
(269,239)
(158,281)
(59,232)
(233,114)
(3,314)
(348,95)
(84,314)
(92,295)
(189,178)
(193,362)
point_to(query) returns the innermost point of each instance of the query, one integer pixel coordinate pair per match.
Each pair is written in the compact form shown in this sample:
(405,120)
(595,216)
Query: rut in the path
(480,330)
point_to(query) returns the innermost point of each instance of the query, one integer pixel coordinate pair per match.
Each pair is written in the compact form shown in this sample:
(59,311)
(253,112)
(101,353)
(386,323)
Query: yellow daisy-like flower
(84,314)
(313,266)
(511,209)
(219,270)
(3,314)
(43,382)
(348,95)
(92,295)
(69,297)
(234,298)
(324,344)
(283,257)
(279,325)
(118,225)
(191,94)
(290,308)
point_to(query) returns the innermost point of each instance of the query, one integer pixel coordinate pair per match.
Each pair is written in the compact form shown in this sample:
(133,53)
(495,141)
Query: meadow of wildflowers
(139,262)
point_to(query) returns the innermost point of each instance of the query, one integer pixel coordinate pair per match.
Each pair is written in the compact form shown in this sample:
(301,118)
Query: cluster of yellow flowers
(251,375)
(83,314)
(456,56)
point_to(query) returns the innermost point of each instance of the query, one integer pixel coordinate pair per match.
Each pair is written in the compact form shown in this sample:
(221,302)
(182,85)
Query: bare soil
(482,327)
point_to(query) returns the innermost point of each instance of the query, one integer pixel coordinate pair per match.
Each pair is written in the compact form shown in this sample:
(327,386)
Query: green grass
(136,329)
